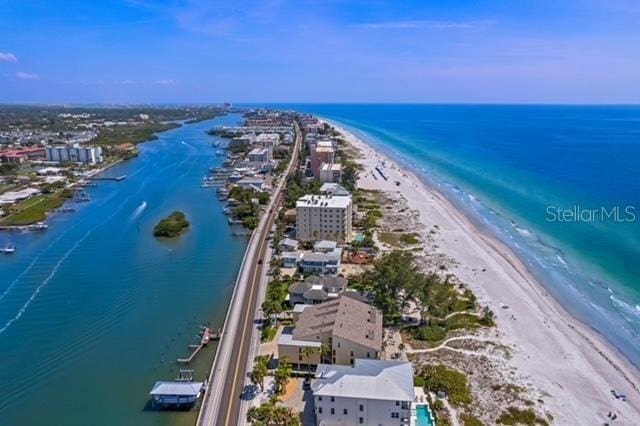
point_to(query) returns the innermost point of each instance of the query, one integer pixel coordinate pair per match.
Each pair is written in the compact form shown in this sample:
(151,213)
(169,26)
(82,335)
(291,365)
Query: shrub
(516,416)
(452,382)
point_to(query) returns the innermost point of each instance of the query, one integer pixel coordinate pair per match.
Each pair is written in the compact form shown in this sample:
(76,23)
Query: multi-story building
(324,217)
(347,327)
(330,173)
(371,392)
(74,154)
(267,140)
(261,155)
(321,152)
(20,155)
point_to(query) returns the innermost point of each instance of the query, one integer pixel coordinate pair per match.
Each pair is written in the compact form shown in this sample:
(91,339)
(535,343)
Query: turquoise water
(423,417)
(505,166)
(95,310)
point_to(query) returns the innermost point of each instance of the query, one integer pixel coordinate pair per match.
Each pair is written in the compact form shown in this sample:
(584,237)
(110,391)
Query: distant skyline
(189,51)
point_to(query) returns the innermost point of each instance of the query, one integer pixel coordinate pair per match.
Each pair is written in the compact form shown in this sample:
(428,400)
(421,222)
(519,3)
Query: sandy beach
(552,352)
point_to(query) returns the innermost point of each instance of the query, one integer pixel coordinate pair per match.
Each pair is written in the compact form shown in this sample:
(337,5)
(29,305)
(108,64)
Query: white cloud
(427,24)
(164,82)
(8,57)
(27,76)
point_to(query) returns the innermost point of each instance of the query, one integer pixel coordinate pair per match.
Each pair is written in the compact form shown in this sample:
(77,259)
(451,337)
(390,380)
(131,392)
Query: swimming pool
(424,416)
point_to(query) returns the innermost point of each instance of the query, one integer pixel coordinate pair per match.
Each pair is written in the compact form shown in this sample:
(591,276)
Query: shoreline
(565,336)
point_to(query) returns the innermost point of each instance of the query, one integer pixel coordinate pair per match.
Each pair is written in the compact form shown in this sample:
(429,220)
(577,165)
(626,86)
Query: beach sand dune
(559,356)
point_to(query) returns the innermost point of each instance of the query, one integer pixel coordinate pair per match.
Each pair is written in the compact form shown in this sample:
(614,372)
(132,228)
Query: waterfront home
(291,259)
(321,263)
(324,217)
(324,246)
(331,173)
(178,394)
(314,290)
(288,244)
(349,328)
(371,392)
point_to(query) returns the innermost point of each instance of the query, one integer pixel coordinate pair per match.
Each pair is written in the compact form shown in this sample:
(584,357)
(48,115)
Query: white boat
(10,248)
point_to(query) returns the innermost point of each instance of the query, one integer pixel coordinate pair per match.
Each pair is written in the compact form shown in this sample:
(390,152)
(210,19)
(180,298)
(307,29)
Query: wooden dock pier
(115,178)
(207,336)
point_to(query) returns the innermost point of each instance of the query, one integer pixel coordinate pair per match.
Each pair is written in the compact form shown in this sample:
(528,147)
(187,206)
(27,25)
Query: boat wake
(138,211)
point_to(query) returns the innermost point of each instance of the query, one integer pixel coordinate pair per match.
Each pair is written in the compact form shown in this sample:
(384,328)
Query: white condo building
(330,173)
(74,154)
(372,392)
(324,217)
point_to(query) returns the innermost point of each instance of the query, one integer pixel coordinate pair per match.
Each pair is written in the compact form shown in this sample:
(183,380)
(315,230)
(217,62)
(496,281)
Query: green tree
(260,371)
(308,352)
(282,375)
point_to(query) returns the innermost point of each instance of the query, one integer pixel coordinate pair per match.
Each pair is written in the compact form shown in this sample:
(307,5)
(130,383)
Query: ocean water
(512,168)
(95,310)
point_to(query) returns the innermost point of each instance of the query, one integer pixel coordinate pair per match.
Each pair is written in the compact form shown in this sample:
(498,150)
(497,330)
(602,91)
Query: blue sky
(524,51)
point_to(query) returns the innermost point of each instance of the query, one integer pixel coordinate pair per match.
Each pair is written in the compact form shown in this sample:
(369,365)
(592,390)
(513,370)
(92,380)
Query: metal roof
(176,388)
(367,379)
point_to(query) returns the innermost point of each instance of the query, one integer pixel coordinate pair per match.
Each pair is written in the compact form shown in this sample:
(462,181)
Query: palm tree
(283,374)
(308,351)
(260,371)
(325,353)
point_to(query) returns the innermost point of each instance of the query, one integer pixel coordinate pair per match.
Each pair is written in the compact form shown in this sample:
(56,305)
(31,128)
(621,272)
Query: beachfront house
(291,259)
(321,263)
(315,290)
(349,328)
(288,244)
(371,392)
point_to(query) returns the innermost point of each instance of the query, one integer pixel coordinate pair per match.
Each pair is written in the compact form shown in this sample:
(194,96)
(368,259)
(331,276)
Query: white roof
(289,242)
(177,388)
(367,379)
(286,339)
(323,201)
(300,307)
(325,244)
(258,151)
(331,166)
(290,254)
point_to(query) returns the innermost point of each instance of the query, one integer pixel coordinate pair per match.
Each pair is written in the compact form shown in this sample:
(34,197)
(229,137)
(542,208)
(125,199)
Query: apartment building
(324,217)
(330,173)
(321,152)
(371,392)
(348,327)
(261,155)
(74,154)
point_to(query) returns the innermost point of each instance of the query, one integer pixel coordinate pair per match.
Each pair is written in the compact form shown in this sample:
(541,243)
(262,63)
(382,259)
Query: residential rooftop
(367,379)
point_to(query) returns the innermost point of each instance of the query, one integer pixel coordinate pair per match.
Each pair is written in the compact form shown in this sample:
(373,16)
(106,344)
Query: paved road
(221,405)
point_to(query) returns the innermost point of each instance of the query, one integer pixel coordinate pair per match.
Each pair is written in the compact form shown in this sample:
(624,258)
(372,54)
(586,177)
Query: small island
(171,226)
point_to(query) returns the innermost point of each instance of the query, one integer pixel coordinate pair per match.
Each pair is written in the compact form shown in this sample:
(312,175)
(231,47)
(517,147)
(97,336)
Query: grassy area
(470,420)
(516,416)
(440,378)
(268,334)
(410,239)
(171,226)
(34,209)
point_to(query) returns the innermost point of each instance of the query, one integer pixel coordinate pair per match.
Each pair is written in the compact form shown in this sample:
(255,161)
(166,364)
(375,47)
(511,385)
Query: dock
(207,336)
(114,178)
